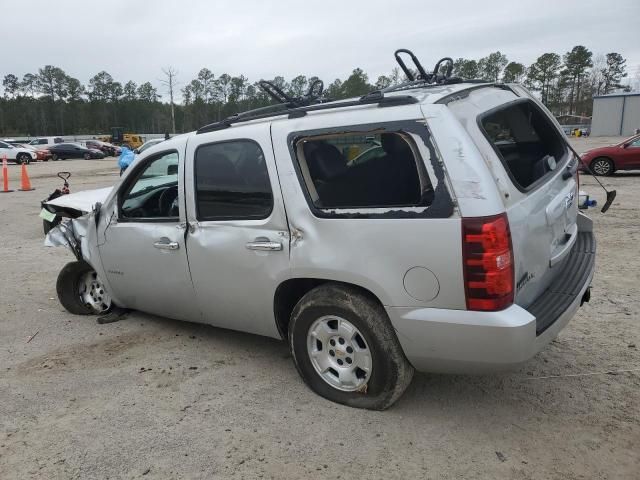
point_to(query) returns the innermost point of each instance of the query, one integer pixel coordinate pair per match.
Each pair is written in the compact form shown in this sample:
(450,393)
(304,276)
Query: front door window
(153,194)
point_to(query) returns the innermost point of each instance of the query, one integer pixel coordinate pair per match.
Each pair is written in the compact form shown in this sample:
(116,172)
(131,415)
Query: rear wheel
(80,291)
(87,156)
(346,350)
(602,166)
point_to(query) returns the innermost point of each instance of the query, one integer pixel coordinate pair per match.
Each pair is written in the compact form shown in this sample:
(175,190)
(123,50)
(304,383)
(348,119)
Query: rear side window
(232,182)
(526,141)
(364,170)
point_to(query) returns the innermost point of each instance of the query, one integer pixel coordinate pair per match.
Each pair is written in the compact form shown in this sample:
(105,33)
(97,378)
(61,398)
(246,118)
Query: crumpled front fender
(80,236)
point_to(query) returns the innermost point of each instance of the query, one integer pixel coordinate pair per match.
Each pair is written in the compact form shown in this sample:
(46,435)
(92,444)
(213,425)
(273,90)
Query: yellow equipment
(119,137)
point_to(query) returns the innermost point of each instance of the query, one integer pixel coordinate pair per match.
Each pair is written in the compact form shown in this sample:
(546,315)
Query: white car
(456,248)
(46,141)
(15,154)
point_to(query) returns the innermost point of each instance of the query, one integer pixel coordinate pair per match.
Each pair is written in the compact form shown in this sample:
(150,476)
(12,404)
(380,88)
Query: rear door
(537,175)
(238,243)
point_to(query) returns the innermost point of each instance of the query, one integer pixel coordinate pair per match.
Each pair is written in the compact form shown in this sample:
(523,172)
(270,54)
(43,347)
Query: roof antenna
(423,75)
(611,194)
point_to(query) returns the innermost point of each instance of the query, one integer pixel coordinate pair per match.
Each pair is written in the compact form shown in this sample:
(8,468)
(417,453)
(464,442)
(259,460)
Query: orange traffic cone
(25,183)
(5,176)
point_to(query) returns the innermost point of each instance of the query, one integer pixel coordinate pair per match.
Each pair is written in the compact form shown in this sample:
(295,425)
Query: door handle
(165,244)
(264,245)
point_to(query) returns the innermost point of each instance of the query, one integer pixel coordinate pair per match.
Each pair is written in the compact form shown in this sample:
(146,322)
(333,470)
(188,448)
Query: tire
(71,280)
(54,157)
(23,158)
(602,166)
(333,310)
(87,156)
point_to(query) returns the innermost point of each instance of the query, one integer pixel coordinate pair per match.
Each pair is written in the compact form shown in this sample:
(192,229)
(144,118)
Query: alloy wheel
(339,353)
(602,167)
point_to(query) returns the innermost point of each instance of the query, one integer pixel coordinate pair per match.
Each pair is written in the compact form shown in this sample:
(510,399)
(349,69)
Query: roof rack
(313,99)
(441,74)
(298,107)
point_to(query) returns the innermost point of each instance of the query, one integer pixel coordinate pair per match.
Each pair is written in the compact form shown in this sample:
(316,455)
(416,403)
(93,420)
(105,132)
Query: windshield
(150,143)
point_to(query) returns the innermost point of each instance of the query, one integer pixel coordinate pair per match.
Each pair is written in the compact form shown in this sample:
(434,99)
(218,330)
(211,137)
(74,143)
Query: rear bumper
(461,341)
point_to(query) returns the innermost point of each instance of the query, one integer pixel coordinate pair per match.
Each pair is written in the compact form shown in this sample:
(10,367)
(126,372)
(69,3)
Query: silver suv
(432,226)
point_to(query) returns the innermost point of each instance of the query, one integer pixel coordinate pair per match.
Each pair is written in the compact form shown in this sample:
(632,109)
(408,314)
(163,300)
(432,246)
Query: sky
(134,40)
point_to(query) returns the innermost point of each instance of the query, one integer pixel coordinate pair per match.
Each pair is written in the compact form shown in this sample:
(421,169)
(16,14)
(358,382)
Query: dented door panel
(235,283)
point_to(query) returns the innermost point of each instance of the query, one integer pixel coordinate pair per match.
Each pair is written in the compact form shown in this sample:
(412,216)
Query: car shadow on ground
(431,391)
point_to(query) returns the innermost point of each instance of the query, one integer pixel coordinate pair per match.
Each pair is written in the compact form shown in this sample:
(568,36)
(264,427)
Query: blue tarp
(126,157)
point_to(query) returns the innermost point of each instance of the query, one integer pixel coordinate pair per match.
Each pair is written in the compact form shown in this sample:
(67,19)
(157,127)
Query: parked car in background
(63,151)
(105,147)
(42,154)
(46,141)
(621,156)
(115,149)
(148,144)
(15,154)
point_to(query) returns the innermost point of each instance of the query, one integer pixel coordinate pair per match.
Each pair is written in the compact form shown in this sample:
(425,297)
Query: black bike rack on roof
(298,107)
(313,100)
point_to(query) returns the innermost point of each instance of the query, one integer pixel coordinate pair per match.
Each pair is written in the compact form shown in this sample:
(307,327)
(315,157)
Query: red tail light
(488,262)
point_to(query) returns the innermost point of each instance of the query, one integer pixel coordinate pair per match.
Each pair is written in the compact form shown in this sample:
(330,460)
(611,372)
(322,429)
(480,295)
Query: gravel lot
(159,398)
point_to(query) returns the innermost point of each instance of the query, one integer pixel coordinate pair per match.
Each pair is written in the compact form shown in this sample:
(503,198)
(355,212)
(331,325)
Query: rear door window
(526,141)
(232,182)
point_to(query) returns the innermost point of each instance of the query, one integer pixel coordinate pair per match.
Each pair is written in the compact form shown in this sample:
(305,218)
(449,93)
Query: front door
(143,252)
(238,245)
(630,155)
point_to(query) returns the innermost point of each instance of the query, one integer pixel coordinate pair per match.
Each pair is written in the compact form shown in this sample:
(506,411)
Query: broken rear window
(364,170)
(528,144)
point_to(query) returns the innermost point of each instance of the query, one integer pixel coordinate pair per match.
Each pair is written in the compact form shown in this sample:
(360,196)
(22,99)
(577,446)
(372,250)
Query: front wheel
(80,291)
(602,166)
(346,350)
(54,157)
(87,156)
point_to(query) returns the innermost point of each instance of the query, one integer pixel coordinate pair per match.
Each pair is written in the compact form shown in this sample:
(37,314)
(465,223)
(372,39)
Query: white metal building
(616,114)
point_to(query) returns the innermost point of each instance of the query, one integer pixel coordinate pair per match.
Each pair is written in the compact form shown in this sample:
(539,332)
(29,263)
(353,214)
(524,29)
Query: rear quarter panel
(374,253)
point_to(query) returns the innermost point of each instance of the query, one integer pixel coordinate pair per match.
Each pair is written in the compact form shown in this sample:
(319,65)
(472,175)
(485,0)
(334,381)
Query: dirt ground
(153,397)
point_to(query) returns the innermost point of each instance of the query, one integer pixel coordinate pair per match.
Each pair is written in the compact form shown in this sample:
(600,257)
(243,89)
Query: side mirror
(625,145)
(136,151)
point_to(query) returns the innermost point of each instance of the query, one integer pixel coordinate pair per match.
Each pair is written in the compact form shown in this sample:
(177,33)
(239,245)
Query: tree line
(51,102)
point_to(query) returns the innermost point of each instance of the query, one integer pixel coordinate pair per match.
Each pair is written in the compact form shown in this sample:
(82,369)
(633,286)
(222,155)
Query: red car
(622,156)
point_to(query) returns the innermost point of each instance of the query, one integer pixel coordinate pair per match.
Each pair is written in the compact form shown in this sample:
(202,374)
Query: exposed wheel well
(289,293)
